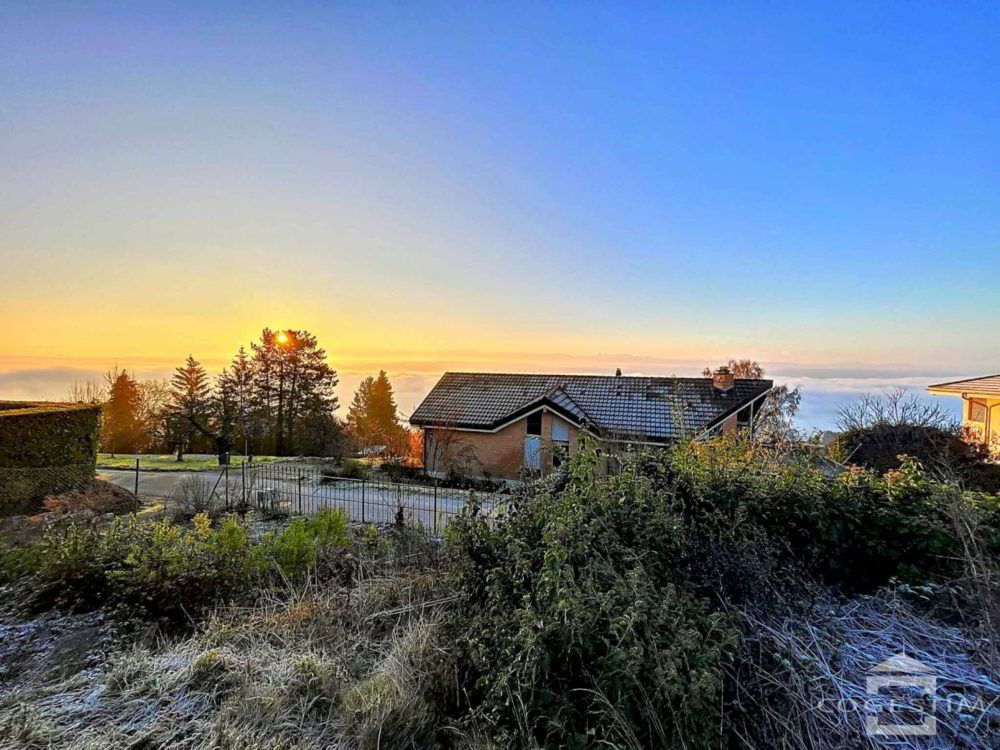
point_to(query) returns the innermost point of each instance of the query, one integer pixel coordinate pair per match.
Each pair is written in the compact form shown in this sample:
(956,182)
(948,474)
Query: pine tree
(121,428)
(359,421)
(373,418)
(234,405)
(189,403)
(293,386)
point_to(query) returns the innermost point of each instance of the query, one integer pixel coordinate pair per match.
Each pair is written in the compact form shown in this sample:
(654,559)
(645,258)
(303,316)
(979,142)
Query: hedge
(45,449)
(38,435)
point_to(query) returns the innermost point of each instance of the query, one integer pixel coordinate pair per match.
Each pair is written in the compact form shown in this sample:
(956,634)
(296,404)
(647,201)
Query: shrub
(297,548)
(351,468)
(149,570)
(164,571)
(596,611)
(48,434)
(855,531)
(194,494)
(573,625)
(943,451)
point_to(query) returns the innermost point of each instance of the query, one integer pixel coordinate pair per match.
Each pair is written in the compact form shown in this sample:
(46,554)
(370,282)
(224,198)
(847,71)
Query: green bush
(596,611)
(163,571)
(351,468)
(45,449)
(855,531)
(573,626)
(945,451)
(296,549)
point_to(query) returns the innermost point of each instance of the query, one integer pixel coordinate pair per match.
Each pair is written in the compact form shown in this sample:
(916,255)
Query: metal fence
(21,488)
(306,489)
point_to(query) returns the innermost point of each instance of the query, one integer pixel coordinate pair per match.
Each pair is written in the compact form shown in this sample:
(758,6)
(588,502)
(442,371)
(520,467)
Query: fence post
(243,484)
(362,501)
(137,479)
(227,485)
(435,506)
(299,483)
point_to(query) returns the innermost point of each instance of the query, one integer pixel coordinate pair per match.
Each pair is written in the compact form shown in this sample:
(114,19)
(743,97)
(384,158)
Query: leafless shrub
(981,582)
(894,408)
(192,495)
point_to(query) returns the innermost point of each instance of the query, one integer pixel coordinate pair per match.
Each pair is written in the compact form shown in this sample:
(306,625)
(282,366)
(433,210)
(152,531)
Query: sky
(559,186)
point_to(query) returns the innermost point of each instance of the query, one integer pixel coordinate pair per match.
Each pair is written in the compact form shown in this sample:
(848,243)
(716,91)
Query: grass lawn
(169,462)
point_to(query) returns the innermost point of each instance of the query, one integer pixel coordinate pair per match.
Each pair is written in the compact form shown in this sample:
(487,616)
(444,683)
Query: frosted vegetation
(723,594)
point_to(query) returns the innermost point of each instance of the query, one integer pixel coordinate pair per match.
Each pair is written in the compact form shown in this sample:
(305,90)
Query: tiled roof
(653,408)
(987,386)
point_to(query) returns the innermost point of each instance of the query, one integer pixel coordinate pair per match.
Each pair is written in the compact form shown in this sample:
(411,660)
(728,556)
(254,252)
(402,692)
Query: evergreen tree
(293,386)
(236,414)
(121,426)
(359,422)
(373,418)
(189,403)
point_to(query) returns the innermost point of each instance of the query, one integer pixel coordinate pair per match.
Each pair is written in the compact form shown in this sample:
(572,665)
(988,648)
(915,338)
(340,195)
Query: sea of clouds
(824,389)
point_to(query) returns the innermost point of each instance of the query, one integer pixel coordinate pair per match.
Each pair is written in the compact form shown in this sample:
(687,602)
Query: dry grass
(354,666)
(801,682)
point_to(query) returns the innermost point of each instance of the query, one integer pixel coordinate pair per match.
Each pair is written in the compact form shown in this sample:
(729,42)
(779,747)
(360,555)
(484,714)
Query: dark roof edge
(521,411)
(736,407)
(964,380)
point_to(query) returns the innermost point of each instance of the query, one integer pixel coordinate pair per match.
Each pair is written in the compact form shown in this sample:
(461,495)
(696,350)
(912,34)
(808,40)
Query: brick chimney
(723,380)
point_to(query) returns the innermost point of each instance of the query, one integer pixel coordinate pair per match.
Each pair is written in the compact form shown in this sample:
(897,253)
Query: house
(501,424)
(980,407)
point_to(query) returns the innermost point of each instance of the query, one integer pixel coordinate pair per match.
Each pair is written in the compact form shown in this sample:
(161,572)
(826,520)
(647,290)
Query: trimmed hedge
(36,435)
(45,449)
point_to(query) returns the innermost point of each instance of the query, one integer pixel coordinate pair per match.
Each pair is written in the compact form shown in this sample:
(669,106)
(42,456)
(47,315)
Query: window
(535,423)
(977,411)
(560,452)
(560,441)
(743,416)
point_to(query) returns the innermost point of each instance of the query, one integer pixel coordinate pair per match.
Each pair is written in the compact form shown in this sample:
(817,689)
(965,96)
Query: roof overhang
(540,404)
(987,386)
(716,423)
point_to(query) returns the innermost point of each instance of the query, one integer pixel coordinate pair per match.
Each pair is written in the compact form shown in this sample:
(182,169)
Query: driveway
(152,484)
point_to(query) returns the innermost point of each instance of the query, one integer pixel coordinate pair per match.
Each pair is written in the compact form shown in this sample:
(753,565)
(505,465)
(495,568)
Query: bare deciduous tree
(895,408)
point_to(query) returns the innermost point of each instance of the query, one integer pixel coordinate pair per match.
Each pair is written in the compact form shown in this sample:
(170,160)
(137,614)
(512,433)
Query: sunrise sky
(538,186)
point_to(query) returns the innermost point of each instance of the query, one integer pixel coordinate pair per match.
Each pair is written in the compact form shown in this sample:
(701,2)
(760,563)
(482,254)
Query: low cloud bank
(824,389)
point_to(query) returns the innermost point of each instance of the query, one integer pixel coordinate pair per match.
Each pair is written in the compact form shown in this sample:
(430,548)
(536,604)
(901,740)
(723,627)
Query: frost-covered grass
(803,678)
(352,665)
(169,462)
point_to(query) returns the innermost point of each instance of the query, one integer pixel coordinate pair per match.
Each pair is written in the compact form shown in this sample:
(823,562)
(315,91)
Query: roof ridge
(589,375)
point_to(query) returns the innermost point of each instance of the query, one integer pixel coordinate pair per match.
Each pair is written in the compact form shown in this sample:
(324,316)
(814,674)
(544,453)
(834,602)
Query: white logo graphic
(901,671)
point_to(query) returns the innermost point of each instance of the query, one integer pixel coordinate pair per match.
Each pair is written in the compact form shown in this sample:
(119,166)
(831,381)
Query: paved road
(153,484)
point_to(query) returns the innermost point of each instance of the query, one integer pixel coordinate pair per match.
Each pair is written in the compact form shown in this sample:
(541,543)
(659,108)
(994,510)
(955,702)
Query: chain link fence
(22,488)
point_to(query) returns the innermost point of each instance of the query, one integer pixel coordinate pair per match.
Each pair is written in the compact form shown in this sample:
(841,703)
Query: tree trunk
(222,447)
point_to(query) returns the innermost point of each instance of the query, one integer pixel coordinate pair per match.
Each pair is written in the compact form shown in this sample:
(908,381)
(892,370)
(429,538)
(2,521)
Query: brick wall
(497,454)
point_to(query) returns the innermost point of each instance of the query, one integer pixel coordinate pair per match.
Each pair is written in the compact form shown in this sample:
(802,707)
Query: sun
(282,338)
